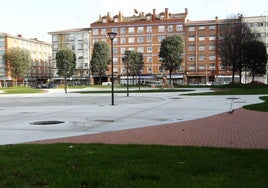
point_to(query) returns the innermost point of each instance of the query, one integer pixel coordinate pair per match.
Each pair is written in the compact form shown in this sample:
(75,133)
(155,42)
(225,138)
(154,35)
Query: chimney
(19,35)
(120,16)
(216,19)
(166,13)
(154,14)
(108,17)
(186,11)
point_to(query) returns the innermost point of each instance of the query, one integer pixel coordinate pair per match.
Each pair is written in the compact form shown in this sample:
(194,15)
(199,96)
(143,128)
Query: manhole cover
(46,122)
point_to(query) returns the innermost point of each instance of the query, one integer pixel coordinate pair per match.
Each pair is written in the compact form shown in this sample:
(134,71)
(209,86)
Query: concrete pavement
(84,114)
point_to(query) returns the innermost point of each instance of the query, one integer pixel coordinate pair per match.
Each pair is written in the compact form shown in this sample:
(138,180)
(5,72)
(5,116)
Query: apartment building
(258,25)
(40,70)
(141,32)
(202,63)
(78,40)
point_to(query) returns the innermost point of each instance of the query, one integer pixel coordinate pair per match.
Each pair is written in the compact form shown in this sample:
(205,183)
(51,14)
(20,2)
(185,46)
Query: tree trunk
(170,74)
(240,73)
(233,75)
(253,73)
(100,79)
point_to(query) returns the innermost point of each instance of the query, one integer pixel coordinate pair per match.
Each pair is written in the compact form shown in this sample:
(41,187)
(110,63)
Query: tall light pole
(65,76)
(111,36)
(127,61)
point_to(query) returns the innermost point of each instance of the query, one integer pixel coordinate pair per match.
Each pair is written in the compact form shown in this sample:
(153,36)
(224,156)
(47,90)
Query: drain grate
(46,122)
(176,98)
(104,120)
(233,98)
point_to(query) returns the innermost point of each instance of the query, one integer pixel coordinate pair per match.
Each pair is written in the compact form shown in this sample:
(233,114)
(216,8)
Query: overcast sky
(35,18)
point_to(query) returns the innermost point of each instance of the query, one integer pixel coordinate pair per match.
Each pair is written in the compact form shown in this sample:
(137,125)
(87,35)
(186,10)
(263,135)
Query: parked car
(106,83)
(155,84)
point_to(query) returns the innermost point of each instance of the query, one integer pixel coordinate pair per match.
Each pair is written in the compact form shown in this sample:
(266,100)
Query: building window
(148,18)
(160,38)
(201,27)
(131,30)
(149,29)
(149,49)
(149,59)
(80,36)
(191,67)
(149,69)
(191,38)
(201,38)
(161,28)
(115,50)
(201,58)
(103,31)
(55,38)
(211,47)
(212,27)
(223,67)
(161,69)
(170,28)
(123,30)
(122,51)
(114,30)
(179,27)
(141,49)
(201,48)
(140,29)
(191,48)
(191,58)
(131,40)
(115,60)
(212,37)
(149,39)
(212,57)
(212,67)
(202,67)
(191,28)
(140,39)
(122,40)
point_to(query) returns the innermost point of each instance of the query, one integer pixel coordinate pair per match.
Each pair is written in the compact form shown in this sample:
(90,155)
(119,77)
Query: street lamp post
(112,36)
(127,61)
(65,77)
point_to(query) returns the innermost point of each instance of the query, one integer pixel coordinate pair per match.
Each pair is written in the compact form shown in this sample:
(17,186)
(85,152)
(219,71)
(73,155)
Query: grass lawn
(97,165)
(20,90)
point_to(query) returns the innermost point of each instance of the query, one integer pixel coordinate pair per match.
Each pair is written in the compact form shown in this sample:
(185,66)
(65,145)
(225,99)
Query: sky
(35,18)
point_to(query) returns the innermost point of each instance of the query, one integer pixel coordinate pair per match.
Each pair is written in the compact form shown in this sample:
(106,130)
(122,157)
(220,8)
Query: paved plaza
(91,116)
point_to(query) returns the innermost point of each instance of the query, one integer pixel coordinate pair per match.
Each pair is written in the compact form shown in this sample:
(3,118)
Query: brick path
(241,129)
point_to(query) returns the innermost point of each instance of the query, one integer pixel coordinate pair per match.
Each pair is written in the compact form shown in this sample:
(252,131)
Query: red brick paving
(241,129)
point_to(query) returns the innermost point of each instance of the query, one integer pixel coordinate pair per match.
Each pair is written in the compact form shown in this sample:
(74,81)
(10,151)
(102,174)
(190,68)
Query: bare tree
(234,34)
